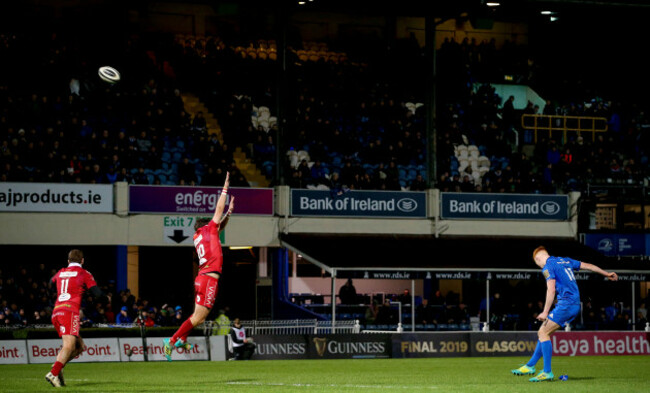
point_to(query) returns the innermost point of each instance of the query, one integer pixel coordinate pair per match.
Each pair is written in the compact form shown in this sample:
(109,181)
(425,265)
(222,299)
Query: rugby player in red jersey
(206,284)
(71,283)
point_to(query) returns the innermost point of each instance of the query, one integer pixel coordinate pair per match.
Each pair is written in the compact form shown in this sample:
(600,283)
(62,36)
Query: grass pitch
(491,375)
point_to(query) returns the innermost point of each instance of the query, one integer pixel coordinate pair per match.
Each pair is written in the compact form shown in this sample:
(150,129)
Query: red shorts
(66,322)
(205,290)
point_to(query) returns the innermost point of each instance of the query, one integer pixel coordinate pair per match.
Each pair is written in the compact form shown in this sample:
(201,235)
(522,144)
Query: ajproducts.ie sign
(383,204)
(504,206)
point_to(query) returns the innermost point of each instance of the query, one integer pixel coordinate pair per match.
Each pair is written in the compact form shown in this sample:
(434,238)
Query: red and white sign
(98,350)
(155,350)
(13,352)
(600,343)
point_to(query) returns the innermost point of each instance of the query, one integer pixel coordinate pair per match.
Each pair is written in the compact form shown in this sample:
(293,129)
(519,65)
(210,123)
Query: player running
(71,283)
(208,249)
(558,272)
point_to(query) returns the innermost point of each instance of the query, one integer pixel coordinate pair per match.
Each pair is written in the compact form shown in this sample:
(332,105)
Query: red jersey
(208,248)
(71,283)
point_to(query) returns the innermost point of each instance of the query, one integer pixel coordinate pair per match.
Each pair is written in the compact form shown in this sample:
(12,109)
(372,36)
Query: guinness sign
(335,346)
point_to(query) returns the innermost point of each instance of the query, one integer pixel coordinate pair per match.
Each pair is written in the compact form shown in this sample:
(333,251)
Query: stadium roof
(454,253)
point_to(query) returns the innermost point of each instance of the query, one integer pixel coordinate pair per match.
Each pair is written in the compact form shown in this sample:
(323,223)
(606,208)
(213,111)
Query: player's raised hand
(611,276)
(231,207)
(227,182)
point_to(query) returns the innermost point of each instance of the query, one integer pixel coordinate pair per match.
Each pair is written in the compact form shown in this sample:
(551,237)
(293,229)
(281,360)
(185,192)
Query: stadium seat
(473,151)
(412,173)
(462,152)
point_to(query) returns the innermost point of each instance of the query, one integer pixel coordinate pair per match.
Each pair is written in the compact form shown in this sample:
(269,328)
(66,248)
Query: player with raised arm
(210,254)
(560,279)
(71,283)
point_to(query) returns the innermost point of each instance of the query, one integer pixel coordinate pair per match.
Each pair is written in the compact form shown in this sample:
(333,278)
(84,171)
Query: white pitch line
(332,385)
(67,379)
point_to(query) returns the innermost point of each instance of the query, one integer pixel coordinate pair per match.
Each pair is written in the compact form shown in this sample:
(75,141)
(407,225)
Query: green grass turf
(491,375)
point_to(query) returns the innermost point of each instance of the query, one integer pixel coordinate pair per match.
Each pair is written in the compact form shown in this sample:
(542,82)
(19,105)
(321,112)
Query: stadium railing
(292,326)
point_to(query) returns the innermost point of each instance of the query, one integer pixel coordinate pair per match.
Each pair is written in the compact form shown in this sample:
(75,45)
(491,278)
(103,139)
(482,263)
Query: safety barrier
(292,326)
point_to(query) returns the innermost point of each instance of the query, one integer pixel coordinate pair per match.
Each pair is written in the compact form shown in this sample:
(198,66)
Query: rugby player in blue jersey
(558,272)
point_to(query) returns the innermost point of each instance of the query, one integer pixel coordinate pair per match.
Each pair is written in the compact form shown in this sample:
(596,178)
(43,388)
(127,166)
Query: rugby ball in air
(109,74)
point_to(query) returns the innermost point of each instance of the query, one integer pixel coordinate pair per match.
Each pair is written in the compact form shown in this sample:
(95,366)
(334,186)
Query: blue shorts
(563,313)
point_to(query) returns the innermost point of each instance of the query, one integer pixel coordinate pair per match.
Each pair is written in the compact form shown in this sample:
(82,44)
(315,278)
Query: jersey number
(569,273)
(64,295)
(200,249)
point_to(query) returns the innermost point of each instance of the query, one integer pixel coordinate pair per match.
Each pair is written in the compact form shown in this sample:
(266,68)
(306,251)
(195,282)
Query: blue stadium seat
(443,326)
(412,173)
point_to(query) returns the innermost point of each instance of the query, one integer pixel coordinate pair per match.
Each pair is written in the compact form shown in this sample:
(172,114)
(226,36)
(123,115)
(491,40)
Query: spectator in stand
(418,183)
(405,297)
(317,173)
(424,313)
(199,124)
(123,317)
(371,313)
(386,315)
(187,171)
(145,318)
(348,293)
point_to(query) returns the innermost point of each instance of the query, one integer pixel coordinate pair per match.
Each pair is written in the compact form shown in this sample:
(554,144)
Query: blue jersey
(561,270)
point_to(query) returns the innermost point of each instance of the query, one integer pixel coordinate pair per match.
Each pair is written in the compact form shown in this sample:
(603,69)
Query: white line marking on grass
(67,379)
(331,385)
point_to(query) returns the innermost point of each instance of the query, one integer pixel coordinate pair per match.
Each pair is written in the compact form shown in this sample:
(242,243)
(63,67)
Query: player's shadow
(576,379)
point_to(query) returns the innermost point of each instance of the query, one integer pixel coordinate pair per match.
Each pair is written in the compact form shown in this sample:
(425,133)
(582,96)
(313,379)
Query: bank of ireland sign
(504,206)
(382,204)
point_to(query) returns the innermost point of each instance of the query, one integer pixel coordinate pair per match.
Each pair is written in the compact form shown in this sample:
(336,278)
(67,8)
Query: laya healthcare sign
(383,204)
(56,197)
(504,206)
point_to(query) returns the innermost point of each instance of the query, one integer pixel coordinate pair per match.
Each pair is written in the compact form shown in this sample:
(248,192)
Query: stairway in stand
(254,176)
(249,169)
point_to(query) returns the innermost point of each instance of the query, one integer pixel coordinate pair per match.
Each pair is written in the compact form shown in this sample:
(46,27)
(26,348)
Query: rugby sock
(56,368)
(536,355)
(547,351)
(182,331)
